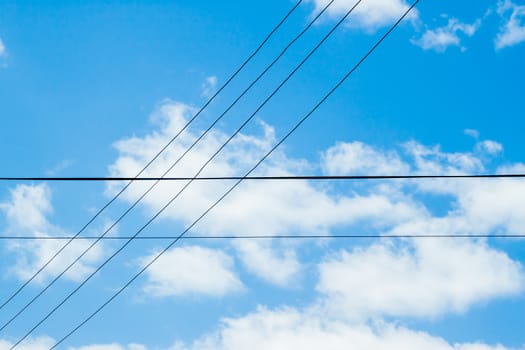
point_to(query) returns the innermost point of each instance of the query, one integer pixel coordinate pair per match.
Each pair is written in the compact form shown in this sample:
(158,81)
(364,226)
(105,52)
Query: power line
(301,121)
(187,184)
(12,296)
(266,178)
(175,163)
(260,237)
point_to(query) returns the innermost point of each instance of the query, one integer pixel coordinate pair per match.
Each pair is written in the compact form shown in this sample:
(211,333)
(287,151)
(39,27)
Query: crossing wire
(301,121)
(56,278)
(177,195)
(114,198)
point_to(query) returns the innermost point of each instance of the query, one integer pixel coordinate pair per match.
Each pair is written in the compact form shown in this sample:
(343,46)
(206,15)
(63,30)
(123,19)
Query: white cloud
(299,207)
(209,87)
(433,161)
(3,51)
(443,276)
(419,278)
(357,158)
(293,329)
(472,133)
(277,267)
(423,278)
(369,15)
(191,270)
(60,167)
(490,206)
(113,346)
(26,213)
(512,31)
(40,343)
(289,328)
(28,207)
(441,38)
(281,207)
(482,206)
(45,343)
(358,287)
(491,147)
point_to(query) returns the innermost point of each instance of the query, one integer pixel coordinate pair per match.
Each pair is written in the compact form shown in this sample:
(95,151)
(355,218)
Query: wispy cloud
(61,166)
(369,15)
(357,158)
(27,212)
(472,133)
(209,87)
(3,51)
(441,38)
(512,31)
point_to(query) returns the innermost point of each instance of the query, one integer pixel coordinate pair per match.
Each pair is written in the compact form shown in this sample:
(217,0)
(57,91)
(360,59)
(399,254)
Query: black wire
(187,184)
(172,166)
(264,178)
(144,168)
(156,238)
(234,186)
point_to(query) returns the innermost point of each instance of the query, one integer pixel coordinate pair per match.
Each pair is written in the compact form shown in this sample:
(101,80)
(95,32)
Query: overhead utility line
(114,198)
(182,190)
(157,256)
(260,237)
(267,178)
(20,311)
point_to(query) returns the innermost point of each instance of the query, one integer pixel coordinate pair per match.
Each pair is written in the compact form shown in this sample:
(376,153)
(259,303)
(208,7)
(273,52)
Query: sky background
(98,88)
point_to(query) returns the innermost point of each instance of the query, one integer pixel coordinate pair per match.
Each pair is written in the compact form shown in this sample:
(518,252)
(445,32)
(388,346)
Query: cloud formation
(297,207)
(2,48)
(512,31)
(422,278)
(209,87)
(358,285)
(40,343)
(289,328)
(357,158)
(26,213)
(191,270)
(441,38)
(370,15)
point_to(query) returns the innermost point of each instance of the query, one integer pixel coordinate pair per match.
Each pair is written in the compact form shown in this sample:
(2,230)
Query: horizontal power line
(146,238)
(267,178)
(155,157)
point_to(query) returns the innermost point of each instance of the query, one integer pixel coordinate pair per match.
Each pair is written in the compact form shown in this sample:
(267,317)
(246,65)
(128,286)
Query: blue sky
(97,89)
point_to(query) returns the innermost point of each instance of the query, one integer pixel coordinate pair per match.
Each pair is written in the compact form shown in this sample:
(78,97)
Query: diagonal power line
(30,302)
(299,123)
(228,81)
(182,190)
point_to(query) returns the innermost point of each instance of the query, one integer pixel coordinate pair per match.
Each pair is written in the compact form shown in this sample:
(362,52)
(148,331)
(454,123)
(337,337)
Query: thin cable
(259,237)
(235,185)
(185,186)
(176,162)
(170,168)
(15,316)
(12,296)
(266,178)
